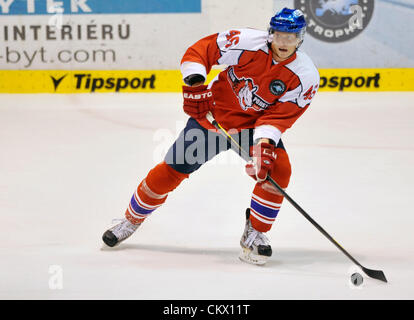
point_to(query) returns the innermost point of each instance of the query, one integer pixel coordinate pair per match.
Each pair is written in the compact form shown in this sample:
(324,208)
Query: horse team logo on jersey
(245,91)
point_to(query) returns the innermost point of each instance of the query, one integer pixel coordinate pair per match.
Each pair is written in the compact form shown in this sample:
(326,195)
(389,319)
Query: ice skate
(256,248)
(118,233)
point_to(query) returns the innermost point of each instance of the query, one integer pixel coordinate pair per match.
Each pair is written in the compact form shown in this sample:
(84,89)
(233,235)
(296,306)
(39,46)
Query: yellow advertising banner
(84,81)
(367,79)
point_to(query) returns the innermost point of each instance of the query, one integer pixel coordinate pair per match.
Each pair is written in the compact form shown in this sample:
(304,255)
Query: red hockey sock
(264,208)
(153,191)
(266,200)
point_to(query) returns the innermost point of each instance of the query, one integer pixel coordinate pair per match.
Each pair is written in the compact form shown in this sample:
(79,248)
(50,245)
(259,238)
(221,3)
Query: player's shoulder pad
(243,39)
(304,68)
(309,78)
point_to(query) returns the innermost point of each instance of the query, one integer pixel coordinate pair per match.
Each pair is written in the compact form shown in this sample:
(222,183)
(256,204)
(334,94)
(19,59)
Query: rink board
(87,81)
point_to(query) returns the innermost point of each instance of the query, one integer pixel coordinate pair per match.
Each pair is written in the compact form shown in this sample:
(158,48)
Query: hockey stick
(376,274)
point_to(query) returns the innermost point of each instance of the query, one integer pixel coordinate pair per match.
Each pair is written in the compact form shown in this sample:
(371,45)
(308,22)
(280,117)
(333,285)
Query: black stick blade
(376,274)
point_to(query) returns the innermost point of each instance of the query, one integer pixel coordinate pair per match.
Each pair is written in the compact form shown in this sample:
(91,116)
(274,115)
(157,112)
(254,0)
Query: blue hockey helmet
(289,20)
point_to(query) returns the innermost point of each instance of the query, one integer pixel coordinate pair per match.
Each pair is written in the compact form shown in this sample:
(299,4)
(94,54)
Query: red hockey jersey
(254,91)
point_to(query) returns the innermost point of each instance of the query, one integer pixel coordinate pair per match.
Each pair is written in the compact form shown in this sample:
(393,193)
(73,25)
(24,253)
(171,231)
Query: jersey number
(311,92)
(232,38)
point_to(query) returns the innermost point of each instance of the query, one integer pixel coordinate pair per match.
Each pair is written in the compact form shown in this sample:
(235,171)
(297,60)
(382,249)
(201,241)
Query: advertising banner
(93,81)
(40,7)
(83,46)
(96,34)
(358,33)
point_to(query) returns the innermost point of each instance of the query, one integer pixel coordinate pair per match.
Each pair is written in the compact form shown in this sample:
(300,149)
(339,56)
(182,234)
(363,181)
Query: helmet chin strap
(299,44)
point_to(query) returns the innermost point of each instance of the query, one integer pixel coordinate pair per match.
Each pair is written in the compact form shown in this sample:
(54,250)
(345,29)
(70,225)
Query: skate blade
(247,255)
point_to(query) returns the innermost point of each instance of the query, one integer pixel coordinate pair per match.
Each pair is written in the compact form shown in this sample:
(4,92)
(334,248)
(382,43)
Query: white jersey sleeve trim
(230,57)
(308,75)
(267,131)
(292,95)
(188,68)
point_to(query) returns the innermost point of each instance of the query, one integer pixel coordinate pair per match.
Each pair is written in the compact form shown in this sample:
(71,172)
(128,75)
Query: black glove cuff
(193,78)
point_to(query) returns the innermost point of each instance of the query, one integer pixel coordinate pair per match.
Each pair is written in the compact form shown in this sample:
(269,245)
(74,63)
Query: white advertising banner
(358,33)
(112,34)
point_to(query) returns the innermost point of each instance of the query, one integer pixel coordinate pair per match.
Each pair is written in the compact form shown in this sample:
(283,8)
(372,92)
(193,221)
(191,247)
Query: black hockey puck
(356,279)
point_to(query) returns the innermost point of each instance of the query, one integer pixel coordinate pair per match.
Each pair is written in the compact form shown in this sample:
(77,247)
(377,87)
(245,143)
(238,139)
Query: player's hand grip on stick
(263,155)
(197,101)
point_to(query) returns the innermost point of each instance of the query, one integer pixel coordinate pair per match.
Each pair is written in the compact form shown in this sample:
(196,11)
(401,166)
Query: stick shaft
(247,157)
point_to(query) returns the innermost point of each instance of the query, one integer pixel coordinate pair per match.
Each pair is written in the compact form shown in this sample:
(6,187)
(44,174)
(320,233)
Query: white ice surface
(69,165)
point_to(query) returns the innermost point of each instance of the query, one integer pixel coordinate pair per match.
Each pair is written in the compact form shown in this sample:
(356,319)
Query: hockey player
(267,85)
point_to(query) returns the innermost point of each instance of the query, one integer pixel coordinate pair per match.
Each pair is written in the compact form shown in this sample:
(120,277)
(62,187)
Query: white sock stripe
(270,203)
(266,203)
(262,216)
(145,205)
(135,214)
(259,217)
(151,193)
